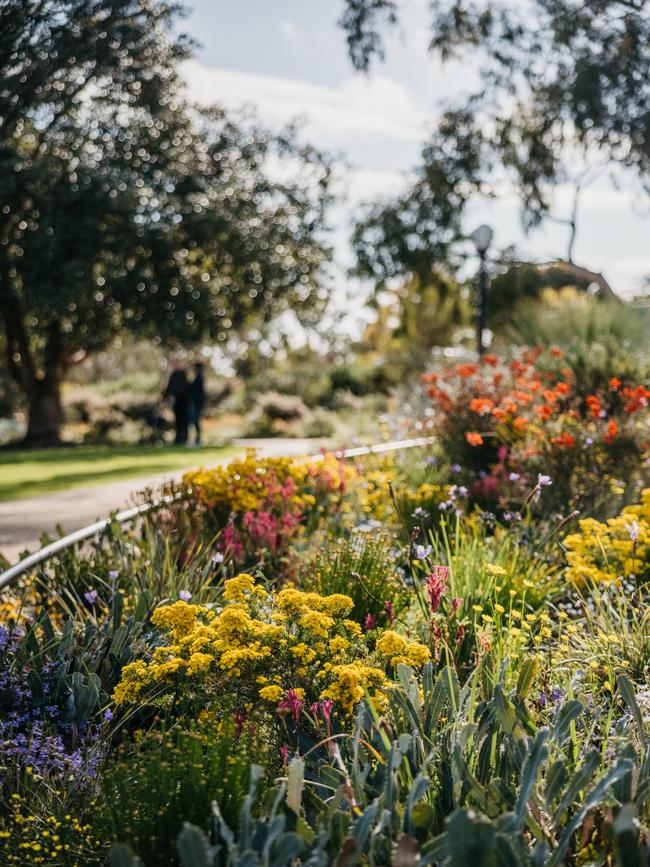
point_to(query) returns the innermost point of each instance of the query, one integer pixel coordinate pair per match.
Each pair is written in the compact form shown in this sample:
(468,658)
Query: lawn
(30,472)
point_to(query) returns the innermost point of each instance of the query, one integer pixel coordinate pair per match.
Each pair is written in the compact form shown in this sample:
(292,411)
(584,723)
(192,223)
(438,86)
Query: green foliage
(363,567)
(170,776)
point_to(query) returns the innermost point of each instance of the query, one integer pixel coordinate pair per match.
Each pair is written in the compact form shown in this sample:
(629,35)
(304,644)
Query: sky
(287,58)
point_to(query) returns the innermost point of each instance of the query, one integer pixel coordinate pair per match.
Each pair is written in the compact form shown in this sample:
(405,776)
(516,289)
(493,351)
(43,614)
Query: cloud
(359,105)
(290,31)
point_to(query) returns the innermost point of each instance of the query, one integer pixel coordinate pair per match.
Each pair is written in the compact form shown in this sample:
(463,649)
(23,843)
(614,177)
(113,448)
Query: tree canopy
(123,206)
(561,81)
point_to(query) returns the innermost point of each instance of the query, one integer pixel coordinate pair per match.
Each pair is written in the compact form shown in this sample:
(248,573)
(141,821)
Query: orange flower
(594,405)
(612,430)
(492,360)
(520,423)
(562,388)
(429,377)
(481,405)
(556,352)
(466,370)
(473,438)
(544,411)
(522,396)
(498,413)
(614,383)
(564,441)
(549,396)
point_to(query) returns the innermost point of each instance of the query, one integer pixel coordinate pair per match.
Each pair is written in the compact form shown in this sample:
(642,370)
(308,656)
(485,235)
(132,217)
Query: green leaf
(537,755)
(471,839)
(193,847)
(295,783)
(526,675)
(627,692)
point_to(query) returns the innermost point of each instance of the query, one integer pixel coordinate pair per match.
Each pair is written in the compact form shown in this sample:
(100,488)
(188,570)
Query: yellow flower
(494,569)
(237,589)
(271,693)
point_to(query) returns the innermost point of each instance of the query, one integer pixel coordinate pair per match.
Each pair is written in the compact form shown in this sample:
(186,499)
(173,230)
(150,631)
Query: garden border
(9,575)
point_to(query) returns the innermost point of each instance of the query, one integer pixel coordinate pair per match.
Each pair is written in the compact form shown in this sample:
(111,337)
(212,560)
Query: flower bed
(326,663)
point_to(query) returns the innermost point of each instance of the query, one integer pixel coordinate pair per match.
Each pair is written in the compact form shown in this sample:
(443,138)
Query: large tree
(565,85)
(122,206)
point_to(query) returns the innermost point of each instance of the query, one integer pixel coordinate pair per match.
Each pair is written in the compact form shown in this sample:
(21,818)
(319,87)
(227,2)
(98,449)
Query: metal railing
(85,533)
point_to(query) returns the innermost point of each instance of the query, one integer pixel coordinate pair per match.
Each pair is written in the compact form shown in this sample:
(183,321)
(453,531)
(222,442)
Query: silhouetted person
(197,396)
(177,392)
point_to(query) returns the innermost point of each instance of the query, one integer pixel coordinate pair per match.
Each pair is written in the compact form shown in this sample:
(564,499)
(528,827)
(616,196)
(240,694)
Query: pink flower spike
(369,622)
(326,707)
(292,703)
(436,584)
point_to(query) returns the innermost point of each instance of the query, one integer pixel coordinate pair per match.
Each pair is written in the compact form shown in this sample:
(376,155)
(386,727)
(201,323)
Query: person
(177,392)
(196,393)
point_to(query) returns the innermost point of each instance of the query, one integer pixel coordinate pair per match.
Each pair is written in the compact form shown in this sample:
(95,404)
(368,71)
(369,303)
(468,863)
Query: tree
(124,207)
(562,83)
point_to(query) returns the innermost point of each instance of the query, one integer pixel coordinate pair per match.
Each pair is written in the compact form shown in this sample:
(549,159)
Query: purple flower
(514,477)
(217,558)
(185,595)
(108,714)
(91,597)
(633,530)
(455,468)
(114,574)
(543,481)
(422,552)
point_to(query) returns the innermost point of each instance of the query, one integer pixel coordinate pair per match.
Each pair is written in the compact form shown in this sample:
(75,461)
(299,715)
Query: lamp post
(482,238)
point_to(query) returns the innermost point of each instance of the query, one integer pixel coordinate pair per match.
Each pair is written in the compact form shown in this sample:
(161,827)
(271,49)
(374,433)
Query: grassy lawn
(28,473)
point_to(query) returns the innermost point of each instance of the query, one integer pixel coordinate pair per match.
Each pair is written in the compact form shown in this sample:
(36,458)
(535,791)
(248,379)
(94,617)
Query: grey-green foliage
(453,780)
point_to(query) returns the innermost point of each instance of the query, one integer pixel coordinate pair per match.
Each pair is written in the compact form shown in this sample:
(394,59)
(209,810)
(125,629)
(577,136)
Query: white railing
(85,533)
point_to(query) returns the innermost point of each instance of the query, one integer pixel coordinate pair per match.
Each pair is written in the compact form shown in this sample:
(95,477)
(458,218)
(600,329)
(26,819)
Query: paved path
(22,522)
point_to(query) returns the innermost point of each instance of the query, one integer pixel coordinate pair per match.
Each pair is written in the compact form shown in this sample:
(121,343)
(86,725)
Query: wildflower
(422,551)
(185,595)
(614,383)
(633,531)
(543,481)
(495,569)
(217,558)
(91,597)
(473,438)
(436,584)
(456,604)
(326,707)
(388,607)
(114,574)
(108,714)
(612,431)
(369,623)
(514,477)
(284,752)
(292,703)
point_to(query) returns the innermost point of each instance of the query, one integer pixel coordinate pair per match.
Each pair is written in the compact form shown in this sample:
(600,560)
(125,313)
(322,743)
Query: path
(22,522)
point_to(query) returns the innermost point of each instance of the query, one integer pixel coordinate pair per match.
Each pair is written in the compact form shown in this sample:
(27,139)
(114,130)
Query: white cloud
(290,31)
(359,105)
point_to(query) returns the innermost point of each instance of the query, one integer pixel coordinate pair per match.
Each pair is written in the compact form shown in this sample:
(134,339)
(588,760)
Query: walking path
(23,522)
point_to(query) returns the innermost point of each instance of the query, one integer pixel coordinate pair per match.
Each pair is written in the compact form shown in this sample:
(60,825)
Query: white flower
(543,480)
(422,552)
(633,530)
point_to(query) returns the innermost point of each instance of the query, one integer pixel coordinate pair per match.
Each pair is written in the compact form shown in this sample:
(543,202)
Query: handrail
(27,563)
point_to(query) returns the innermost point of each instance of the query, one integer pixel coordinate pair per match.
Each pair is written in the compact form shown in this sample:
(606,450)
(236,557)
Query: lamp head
(482,238)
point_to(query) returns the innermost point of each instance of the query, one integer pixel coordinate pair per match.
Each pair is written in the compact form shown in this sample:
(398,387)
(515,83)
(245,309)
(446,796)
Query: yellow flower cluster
(260,645)
(605,552)
(400,650)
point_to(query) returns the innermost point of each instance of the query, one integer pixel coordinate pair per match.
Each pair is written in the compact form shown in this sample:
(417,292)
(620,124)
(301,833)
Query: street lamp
(482,238)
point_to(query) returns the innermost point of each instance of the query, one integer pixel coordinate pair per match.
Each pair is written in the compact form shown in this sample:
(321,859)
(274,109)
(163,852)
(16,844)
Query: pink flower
(456,604)
(436,584)
(388,606)
(284,752)
(369,622)
(292,703)
(326,707)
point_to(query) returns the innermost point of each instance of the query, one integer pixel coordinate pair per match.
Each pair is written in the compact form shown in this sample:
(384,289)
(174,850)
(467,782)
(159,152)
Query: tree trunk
(45,413)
